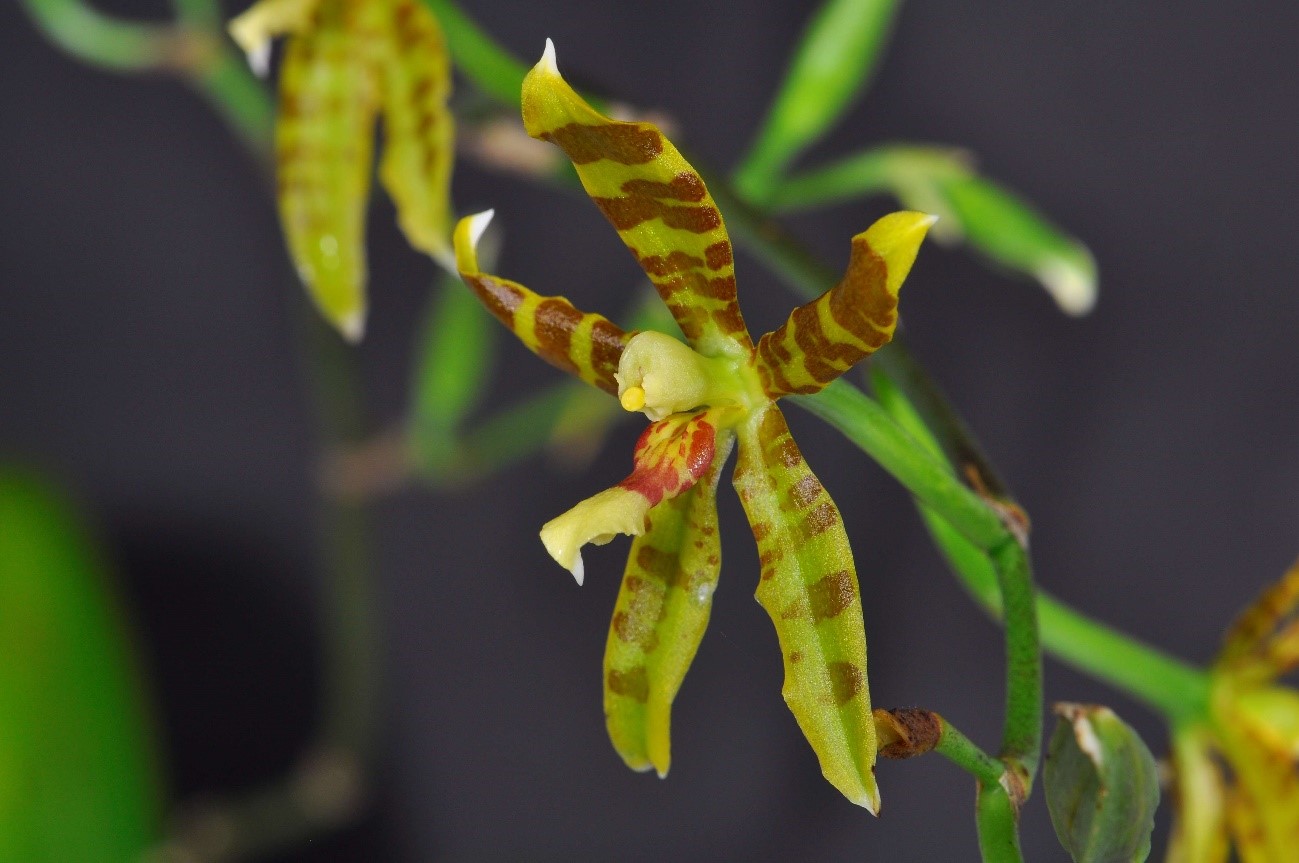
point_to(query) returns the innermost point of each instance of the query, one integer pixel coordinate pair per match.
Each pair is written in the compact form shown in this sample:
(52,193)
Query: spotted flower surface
(1254,729)
(349,63)
(704,398)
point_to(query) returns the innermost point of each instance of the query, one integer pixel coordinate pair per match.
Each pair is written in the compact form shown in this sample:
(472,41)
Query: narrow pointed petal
(824,338)
(670,457)
(419,133)
(655,200)
(809,587)
(660,617)
(583,344)
(1199,832)
(1253,639)
(263,21)
(1258,733)
(324,147)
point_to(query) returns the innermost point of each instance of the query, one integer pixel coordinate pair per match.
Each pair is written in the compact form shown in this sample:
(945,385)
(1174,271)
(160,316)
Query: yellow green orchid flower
(1254,728)
(704,397)
(348,62)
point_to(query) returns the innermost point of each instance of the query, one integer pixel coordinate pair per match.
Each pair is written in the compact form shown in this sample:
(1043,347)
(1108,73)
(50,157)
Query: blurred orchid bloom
(1253,727)
(347,62)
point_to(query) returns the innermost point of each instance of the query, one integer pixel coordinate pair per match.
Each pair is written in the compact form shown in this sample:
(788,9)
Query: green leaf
(1102,786)
(78,777)
(454,359)
(993,220)
(1009,231)
(831,65)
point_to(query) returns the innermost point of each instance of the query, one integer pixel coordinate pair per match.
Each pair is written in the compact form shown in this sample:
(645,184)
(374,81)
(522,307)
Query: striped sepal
(670,457)
(826,337)
(1263,805)
(660,616)
(324,143)
(809,587)
(418,131)
(1265,637)
(584,344)
(656,201)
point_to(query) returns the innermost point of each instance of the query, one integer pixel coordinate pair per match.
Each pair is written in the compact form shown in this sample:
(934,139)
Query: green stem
(870,426)
(998,824)
(242,101)
(492,69)
(903,170)
(1168,685)
(965,754)
(1021,739)
(101,40)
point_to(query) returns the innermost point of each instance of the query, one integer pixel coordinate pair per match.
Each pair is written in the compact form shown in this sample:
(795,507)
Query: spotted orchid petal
(1199,832)
(584,344)
(655,200)
(670,457)
(809,588)
(1263,808)
(824,338)
(263,21)
(419,132)
(660,617)
(329,97)
(1264,639)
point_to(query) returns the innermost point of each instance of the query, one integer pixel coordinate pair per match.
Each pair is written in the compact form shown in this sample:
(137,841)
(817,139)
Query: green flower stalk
(715,392)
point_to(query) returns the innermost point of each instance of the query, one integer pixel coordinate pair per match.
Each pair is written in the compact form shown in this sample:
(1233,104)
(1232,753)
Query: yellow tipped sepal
(262,22)
(896,238)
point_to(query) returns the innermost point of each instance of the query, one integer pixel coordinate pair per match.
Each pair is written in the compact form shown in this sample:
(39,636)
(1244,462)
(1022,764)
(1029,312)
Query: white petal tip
(352,327)
(548,58)
(1073,287)
(478,225)
(259,58)
(662,774)
(578,570)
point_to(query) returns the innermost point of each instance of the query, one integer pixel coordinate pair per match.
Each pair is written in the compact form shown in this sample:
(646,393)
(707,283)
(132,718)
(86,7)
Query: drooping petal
(670,457)
(660,617)
(1199,832)
(263,21)
(419,135)
(583,344)
(809,587)
(1249,641)
(655,200)
(824,338)
(1264,809)
(324,146)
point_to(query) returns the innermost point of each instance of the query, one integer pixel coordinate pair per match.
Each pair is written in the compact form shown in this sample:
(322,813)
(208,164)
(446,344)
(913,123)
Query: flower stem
(998,823)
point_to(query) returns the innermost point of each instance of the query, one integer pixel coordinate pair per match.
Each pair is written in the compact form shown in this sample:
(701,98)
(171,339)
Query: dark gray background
(146,312)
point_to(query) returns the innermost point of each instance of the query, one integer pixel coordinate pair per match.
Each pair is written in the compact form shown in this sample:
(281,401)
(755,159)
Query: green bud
(1102,786)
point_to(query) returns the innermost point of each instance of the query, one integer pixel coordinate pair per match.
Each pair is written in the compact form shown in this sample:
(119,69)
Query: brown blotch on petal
(635,629)
(683,187)
(501,299)
(633,684)
(659,564)
(607,344)
(805,491)
(832,594)
(846,680)
(729,319)
(820,520)
(665,265)
(555,322)
(718,255)
(796,609)
(796,656)
(760,530)
(625,143)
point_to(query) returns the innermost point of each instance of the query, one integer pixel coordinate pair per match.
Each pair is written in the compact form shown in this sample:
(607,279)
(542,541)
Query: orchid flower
(703,397)
(1254,728)
(348,61)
